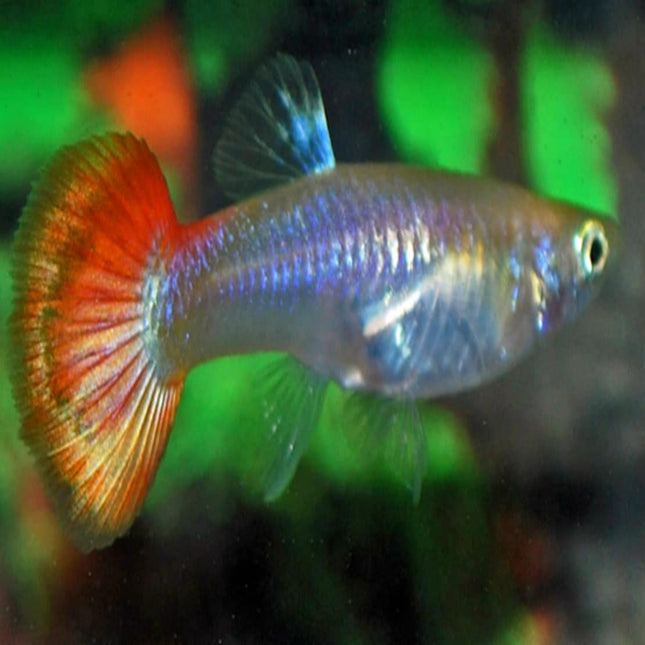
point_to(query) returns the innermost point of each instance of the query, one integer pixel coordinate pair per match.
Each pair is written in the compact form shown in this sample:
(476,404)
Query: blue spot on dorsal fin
(276,133)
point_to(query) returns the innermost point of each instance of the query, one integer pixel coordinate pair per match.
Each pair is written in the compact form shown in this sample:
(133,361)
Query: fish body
(387,278)
(398,283)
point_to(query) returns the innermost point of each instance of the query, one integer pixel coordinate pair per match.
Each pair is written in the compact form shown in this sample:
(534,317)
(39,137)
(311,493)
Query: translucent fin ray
(276,133)
(392,428)
(95,413)
(292,398)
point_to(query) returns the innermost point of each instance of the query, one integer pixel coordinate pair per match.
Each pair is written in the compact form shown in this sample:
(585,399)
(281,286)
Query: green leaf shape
(433,88)
(41,107)
(566,93)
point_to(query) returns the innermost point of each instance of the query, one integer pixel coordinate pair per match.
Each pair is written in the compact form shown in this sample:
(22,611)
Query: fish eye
(593,247)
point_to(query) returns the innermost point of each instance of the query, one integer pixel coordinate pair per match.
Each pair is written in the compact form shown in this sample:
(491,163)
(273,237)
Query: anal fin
(292,397)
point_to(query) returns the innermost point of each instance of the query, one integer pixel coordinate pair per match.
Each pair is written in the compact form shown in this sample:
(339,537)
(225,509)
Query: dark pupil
(596,252)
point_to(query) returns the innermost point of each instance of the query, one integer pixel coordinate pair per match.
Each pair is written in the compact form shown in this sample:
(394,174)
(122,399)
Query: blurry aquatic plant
(212,429)
(42,105)
(145,86)
(42,51)
(77,26)
(435,87)
(223,35)
(567,92)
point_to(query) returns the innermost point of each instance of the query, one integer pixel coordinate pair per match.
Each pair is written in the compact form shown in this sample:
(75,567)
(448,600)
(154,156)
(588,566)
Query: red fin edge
(95,413)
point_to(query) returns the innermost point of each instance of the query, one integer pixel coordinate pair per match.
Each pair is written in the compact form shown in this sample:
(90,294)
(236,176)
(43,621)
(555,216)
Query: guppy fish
(390,280)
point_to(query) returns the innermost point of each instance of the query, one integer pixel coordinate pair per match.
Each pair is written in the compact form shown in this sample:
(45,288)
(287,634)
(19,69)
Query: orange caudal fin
(95,412)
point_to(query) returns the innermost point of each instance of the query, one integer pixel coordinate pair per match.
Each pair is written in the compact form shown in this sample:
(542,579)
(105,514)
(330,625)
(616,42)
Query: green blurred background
(538,92)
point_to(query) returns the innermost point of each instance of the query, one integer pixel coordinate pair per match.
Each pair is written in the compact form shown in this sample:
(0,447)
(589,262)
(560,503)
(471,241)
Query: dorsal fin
(276,133)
